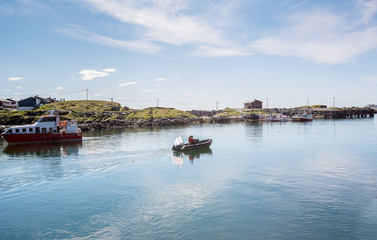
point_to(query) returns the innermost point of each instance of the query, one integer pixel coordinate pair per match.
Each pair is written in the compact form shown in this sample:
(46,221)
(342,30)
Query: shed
(253,104)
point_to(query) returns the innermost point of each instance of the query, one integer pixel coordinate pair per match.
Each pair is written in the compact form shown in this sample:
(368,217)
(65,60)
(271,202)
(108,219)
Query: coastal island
(91,115)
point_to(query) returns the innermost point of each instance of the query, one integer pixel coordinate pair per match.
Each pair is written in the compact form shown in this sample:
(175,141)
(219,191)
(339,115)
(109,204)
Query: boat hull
(41,137)
(305,119)
(188,147)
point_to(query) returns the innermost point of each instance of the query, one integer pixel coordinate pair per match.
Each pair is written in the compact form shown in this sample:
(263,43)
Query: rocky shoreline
(89,126)
(107,120)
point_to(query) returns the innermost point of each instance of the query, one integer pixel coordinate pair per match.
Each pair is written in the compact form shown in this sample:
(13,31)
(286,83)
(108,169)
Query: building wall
(27,104)
(8,105)
(253,104)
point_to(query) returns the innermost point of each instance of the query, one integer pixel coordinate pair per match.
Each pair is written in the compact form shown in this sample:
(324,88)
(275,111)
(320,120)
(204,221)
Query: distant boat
(306,117)
(46,129)
(278,118)
(180,146)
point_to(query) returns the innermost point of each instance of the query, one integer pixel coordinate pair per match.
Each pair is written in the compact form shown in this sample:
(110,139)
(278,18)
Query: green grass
(81,106)
(20,117)
(313,106)
(259,111)
(157,113)
(228,112)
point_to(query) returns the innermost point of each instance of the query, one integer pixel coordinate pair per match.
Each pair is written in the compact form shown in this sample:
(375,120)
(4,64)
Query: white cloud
(91,74)
(163,21)
(126,84)
(316,34)
(59,88)
(15,78)
(160,79)
(212,51)
(18,87)
(319,36)
(369,10)
(147,90)
(82,34)
(109,70)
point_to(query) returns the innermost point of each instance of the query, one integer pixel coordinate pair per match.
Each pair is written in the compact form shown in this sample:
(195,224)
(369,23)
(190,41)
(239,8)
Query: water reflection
(178,157)
(44,149)
(254,131)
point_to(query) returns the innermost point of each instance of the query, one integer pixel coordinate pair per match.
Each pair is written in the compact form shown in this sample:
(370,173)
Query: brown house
(253,104)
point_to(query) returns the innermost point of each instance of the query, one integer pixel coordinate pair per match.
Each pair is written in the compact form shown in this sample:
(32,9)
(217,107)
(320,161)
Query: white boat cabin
(47,124)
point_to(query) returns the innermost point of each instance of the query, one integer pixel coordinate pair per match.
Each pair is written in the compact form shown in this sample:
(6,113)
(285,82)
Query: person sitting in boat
(191,140)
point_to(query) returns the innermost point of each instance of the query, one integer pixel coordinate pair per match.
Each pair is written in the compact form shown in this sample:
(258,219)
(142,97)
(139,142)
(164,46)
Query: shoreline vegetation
(92,115)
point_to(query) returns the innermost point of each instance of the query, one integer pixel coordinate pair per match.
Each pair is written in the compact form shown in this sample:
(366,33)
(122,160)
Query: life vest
(63,123)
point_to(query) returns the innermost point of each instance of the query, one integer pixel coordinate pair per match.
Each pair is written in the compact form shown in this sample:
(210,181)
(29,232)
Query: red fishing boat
(46,129)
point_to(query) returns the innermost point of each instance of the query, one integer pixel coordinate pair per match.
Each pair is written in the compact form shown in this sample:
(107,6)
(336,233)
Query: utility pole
(217,105)
(333,101)
(87,99)
(157,102)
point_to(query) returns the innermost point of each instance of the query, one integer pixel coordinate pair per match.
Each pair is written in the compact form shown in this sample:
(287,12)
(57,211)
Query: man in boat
(191,140)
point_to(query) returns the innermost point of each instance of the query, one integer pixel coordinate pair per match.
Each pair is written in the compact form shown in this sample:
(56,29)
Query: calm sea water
(257,181)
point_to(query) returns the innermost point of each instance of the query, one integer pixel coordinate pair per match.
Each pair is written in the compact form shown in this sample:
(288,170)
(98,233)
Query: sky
(191,54)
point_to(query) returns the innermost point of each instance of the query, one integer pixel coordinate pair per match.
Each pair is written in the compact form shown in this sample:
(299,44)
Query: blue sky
(191,54)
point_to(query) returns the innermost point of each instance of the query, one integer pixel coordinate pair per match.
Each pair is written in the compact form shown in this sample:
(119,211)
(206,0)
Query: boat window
(43,130)
(37,129)
(9,131)
(30,129)
(24,130)
(17,130)
(50,129)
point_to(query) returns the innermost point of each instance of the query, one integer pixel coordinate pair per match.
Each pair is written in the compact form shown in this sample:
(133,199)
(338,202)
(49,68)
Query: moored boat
(46,129)
(278,118)
(307,117)
(180,146)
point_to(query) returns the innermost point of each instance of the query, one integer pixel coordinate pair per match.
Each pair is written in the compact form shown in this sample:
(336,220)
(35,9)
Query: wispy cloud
(166,22)
(91,74)
(15,78)
(147,90)
(85,35)
(314,31)
(163,21)
(160,79)
(126,84)
(369,9)
(59,88)
(319,36)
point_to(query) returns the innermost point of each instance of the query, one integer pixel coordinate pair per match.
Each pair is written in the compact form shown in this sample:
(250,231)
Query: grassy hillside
(229,112)
(157,113)
(81,106)
(19,117)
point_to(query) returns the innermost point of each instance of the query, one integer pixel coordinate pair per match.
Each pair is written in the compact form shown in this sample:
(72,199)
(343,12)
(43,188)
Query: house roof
(255,100)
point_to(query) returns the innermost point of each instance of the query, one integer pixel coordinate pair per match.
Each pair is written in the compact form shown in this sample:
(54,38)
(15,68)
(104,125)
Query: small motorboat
(179,145)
